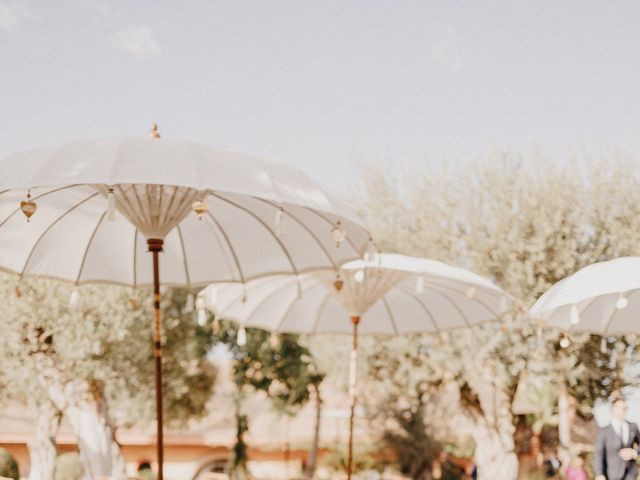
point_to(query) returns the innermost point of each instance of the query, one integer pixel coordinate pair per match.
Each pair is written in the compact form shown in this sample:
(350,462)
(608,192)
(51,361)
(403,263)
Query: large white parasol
(602,298)
(90,210)
(391,294)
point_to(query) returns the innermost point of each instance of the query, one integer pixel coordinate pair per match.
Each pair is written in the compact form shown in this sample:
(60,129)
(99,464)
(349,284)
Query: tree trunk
(492,458)
(564,425)
(239,470)
(313,451)
(100,454)
(487,405)
(42,447)
(84,405)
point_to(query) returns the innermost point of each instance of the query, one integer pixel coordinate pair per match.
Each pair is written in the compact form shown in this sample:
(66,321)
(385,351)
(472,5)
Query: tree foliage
(279,366)
(106,340)
(414,447)
(525,224)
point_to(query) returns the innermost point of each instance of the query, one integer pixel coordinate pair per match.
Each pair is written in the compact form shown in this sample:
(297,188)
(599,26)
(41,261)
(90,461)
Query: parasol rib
(423,306)
(267,297)
(49,227)
(264,224)
(307,229)
(323,304)
(42,195)
(184,257)
(453,304)
(434,287)
(288,310)
(615,311)
(391,317)
(229,245)
(86,250)
(135,259)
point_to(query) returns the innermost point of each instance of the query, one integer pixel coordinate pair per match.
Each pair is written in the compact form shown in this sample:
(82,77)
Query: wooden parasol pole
(155,247)
(355,320)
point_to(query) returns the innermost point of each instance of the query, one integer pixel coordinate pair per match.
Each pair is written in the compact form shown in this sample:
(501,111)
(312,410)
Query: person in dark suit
(617,446)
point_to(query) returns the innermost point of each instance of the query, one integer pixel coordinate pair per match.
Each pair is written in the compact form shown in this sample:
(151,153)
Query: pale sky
(324,83)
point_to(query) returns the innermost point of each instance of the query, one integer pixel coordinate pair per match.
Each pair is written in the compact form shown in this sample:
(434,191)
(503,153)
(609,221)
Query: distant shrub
(8,465)
(146,474)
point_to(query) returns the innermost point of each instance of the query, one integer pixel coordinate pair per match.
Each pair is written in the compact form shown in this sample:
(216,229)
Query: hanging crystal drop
(575,315)
(202,314)
(202,317)
(371,253)
(622,302)
(242,336)
(299,286)
(212,297)
(74,298)
(338,233)
(189,305)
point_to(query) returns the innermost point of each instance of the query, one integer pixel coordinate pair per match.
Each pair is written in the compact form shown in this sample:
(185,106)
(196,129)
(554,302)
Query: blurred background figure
(617,446)
(552,465)
(576,471)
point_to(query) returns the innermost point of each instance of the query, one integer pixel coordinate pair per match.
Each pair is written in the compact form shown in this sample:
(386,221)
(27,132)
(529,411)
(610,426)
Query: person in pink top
(576,471)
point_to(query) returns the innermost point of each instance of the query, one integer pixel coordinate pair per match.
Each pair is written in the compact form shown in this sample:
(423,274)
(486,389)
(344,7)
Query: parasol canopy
(262,217)
(394,294)
(89,211)
(382,294)
(602,298)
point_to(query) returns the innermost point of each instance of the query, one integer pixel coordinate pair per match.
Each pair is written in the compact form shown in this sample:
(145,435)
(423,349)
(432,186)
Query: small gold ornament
(200,208)
(154,133)
(338,283)
(18,292)
(28,206)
